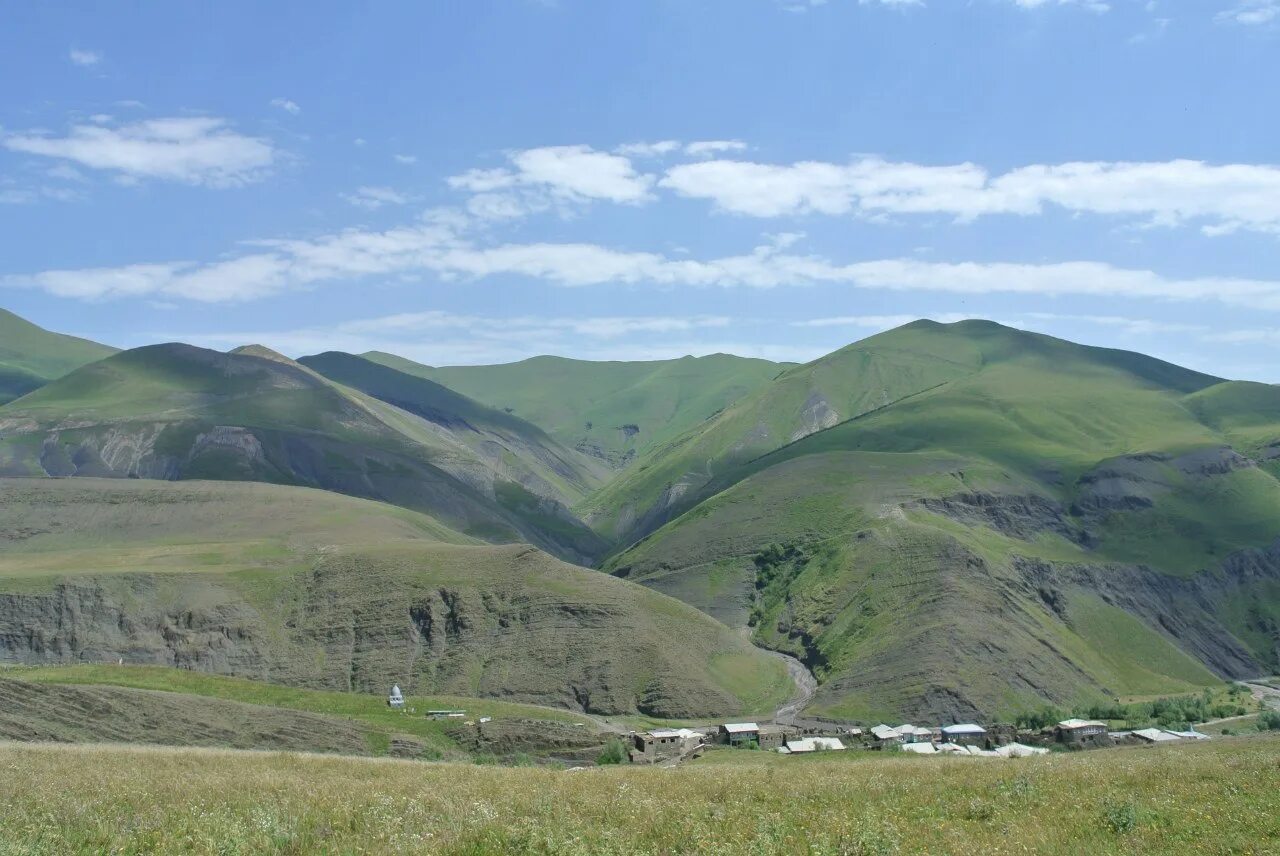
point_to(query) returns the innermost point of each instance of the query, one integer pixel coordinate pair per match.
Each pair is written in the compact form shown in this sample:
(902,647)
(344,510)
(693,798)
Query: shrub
(1269,721)
(1119,817)
(612,753)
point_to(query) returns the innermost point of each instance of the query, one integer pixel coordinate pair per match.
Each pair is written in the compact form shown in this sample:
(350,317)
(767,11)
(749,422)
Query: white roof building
(1156,735)
(967,729)
(814,744)
(1018,750)
(885,732)
(741,727)
(1076,724)
(919,748)
(1190,735)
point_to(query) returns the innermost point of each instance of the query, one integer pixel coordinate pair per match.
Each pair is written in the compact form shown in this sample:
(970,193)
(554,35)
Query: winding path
(806,686)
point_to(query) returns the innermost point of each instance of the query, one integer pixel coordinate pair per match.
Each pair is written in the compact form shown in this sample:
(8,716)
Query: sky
(481,182)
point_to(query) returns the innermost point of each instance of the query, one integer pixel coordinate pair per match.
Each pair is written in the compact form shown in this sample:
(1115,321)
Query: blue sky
(485,181)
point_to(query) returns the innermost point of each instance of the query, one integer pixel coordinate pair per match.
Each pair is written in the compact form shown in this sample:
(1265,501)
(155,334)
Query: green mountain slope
(30,356)
(179,412)
(1051,523)
(890,371)
(611,410)
(311,589)
(526,450)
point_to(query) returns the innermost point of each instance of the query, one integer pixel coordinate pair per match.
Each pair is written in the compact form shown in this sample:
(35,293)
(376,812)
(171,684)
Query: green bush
(1269,721)
(613,753)
(1119,817)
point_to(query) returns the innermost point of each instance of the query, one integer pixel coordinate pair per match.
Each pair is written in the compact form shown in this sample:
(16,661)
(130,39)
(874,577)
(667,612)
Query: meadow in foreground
(1219,797)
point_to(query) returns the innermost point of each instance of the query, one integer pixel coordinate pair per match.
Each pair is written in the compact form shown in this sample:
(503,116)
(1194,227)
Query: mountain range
(940,521)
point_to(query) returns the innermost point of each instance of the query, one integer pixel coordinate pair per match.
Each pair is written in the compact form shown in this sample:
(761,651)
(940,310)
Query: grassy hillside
(903,371)
(1053,523)
(30,356)
(178,412)
(150,704)
(1214,797)
(611,410)
(316,590)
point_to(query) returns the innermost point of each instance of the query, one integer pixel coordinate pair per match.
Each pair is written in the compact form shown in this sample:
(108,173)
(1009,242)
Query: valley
(939,522)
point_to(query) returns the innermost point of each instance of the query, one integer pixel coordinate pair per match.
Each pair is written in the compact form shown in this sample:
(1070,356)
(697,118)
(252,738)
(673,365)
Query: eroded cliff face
(356,623)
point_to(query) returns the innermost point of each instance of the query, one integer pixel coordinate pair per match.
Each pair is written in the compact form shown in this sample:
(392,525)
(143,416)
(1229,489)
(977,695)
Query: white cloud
(1252,12)
(566,174)
(707,148)
(1222,197)
(1091,5)
(440,246)
(83,57)
(404,159)
(286,105)
(648,150)
(202,151)
(437,337)
(373,198)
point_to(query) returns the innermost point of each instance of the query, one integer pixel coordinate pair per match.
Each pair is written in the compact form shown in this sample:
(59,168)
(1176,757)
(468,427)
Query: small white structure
(813,744)
(395,699)
(952,749)
(1190,735)
(1019,750)
(919,748)
(1156,735)
(886,734)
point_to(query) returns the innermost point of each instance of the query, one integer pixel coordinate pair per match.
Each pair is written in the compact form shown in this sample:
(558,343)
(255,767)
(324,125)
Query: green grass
(31,357)
(1210,797)
(371,711)
(588,404)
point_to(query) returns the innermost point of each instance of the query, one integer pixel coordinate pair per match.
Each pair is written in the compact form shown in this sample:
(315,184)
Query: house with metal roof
(1078,730)
(964,733)
(813,744)
(740,733)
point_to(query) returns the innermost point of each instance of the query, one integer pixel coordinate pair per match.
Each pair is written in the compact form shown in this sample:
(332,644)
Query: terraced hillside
(30,356)
(310,589)
(1001,519)
(614,411)
(179,412)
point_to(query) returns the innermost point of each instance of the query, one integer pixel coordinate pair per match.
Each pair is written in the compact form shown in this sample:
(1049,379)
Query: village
(665,746)
(804,736)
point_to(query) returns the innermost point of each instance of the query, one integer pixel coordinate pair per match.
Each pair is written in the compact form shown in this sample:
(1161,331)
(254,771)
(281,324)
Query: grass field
(369,713)
(1217,797)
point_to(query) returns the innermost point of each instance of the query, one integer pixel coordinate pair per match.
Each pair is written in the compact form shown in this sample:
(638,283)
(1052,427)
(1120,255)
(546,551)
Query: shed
(1156,735)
